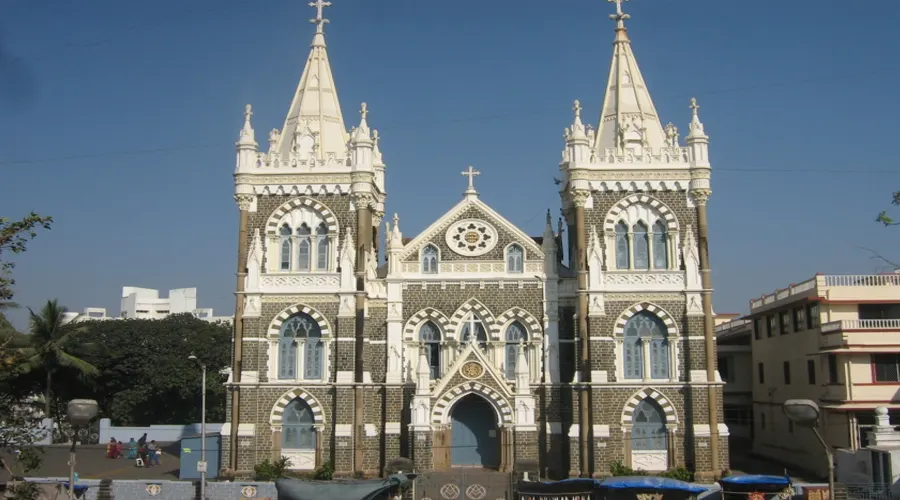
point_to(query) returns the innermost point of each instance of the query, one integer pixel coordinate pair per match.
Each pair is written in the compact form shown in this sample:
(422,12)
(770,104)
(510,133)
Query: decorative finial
(619,17)
(396,218)
(363,110)
(576,107)
(471,173)
(375,136)
(248,112)
(319,21)
(694,106)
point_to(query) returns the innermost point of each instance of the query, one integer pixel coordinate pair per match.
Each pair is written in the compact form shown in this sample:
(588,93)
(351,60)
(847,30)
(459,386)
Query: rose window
(471,237)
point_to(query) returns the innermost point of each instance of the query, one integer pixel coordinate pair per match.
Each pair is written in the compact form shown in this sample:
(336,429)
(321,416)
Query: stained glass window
(648,431)
(322,247)
(285,236)
(660,246)
(303,247)
(515,335)
(300,328)
(514,257)
(645,327)
(641,241)
(430,336)
(297,431)
(429,259)
(622,257)
(473,331)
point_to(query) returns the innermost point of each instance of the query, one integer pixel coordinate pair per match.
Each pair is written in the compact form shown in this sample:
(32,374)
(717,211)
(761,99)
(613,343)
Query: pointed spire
(696,126)
(522,371)
(594,249)
(314,123)
(348,252)
(376,152)
(576,131)
(396,235)
(628,118)
(423,374)
(361,134)
(247,136)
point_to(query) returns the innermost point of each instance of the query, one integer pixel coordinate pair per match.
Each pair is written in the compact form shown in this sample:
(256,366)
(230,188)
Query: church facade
(474,344)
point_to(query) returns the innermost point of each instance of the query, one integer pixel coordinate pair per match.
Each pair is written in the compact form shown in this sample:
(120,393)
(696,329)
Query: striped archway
(286,398)
(667,407)
(289,206)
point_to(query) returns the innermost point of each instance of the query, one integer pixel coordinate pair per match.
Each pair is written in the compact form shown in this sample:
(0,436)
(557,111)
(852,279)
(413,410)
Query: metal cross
(619,16)
(319,21)
(471,172)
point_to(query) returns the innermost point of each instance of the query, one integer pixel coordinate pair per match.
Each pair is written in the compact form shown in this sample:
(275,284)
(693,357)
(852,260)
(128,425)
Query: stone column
(580,198)
(244,201)
(276,443)
(701,196)
(363,202)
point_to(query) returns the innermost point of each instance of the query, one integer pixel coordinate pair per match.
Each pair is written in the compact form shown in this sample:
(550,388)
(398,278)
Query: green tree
(52,350)
(14,237)
(145,376)
(883,216)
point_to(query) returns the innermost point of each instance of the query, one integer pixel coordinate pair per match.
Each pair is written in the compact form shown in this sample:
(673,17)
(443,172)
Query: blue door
(475,438)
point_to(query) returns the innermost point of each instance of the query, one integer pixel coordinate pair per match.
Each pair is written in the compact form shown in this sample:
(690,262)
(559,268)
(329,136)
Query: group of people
(148,453)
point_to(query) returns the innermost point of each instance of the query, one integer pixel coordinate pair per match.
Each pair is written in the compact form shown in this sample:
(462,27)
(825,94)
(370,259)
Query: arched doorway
(649,439)
(475,439)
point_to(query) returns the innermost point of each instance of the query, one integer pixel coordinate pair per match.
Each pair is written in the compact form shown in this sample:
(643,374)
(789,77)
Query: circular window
(471,237)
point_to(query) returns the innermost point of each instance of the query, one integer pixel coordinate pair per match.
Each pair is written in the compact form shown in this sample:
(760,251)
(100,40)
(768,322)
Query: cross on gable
(471,173)
(319,21)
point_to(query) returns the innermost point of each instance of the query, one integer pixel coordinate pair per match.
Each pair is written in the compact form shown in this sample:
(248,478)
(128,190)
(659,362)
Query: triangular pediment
(460,372)
(473,210)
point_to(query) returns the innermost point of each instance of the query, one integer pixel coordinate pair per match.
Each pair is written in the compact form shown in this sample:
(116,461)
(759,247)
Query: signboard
(201,466)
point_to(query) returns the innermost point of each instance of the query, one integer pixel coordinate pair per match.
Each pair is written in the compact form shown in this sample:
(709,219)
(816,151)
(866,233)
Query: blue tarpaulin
(650,483)
(757,479)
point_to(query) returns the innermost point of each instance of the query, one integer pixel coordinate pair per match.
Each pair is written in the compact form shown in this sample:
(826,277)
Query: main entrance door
(475,441)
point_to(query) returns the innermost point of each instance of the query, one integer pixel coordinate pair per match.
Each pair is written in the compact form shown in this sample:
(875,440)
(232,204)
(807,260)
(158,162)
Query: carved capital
(580,197)
(377,216)
(701,196)
(244,201)
(363,200)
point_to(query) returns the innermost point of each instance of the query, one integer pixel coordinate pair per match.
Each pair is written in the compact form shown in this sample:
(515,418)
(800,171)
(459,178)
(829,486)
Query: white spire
(696,126)
(247,136)
(314,123)
(628,118)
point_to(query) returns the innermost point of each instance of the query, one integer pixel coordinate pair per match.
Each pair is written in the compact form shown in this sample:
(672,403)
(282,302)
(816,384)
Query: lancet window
(646,347)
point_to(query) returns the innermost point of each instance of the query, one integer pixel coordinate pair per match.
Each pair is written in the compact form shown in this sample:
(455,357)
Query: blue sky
(119,120)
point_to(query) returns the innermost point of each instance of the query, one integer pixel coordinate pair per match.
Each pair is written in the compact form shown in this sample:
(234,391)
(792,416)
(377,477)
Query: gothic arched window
(300,329)
(430,336)
(430,260)
(303,247)
(285,237)
(648,430)
(297,431)
(515,335)
(646,329)
(473,331)
(640,240)
(515,256)
(622,257)
(660,246)
(322,247)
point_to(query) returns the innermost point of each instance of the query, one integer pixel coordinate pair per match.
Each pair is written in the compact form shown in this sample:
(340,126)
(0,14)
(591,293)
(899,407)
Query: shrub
(268,470)
(680,473)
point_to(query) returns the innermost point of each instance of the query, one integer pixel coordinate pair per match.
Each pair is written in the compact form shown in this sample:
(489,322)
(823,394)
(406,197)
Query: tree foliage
(14,238)
(145,376)
(883,216)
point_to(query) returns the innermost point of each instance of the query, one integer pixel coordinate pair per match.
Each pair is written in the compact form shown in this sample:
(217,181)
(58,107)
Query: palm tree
(51,348)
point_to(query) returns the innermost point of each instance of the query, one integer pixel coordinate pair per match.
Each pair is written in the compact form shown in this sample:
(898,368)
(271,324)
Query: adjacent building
(475,344)
(147,303)
(735,364)
(831,339)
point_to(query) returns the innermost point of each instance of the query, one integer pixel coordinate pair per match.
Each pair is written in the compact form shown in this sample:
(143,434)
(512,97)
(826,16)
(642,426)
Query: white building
(146,303)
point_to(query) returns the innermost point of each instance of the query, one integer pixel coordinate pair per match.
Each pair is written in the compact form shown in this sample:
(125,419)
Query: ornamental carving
(644,279)
(472,370)
(244,201)
(295,281)
(471,237)
(700,196)
(289,178)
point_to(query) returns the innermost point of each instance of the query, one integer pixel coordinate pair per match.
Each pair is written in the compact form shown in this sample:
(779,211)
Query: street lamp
(201,466)
(80,413)
(805,413)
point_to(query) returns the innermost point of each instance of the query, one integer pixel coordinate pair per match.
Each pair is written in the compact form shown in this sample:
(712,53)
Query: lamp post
(805,413)
(80,413)
(202,465)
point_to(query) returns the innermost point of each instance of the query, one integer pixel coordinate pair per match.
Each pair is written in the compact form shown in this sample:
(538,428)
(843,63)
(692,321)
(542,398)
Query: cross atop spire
(694,106)
(471,173)
(364,110)
(619,17)
(576,107)
(319,21)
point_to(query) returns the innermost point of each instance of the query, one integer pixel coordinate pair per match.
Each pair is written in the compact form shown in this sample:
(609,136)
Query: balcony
(877,333)
(837,287)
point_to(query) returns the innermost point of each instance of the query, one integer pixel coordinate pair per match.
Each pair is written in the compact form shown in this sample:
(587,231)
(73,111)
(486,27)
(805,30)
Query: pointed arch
(441,412)
(472,306)
(286,398)
(620,211)
(648,392)
(286,208)
(411,328)
(286,313)
(517,313)
(671,325)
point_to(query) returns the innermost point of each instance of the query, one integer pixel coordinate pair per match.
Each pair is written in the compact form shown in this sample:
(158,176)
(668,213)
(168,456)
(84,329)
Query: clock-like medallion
(472,370)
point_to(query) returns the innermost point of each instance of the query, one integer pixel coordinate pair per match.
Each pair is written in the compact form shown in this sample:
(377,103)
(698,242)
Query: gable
(472,231)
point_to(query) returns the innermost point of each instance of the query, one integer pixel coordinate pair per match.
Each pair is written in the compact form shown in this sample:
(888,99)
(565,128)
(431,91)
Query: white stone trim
(472,306)
(601,431)
(671,325)
(667,407)
(703,430)
(278,215)
(440,414)
(286,398)
(663,211)
(516,313)
(343,430)
(392,428)
(411,329)
(420,268)
(244,430)
(286,313)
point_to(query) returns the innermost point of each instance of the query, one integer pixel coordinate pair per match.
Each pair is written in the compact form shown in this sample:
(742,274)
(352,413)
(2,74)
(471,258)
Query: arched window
(285,235)
(515,335)
(297,431)
(430,336)
(322,247)
(641,242)
(473,331)
(648,430)
(645,328)
(660,246)
(622,257)
(515,256)
(430,260)
(300,329)
(303,247)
